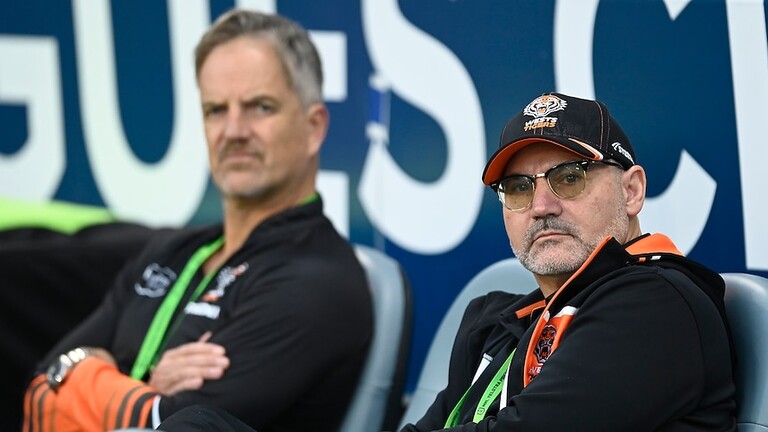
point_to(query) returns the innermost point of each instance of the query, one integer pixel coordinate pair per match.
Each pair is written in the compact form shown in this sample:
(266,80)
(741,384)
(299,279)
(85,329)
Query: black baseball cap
(582,126)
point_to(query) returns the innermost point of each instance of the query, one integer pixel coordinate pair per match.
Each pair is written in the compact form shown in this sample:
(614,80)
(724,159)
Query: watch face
(57,371)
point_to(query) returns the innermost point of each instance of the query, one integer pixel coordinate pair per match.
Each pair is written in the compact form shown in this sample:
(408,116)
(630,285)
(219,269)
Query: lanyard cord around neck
(157,332)
(491,393)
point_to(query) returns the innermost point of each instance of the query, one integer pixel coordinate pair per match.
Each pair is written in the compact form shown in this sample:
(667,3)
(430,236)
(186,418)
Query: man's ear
(634,183)
(318,119)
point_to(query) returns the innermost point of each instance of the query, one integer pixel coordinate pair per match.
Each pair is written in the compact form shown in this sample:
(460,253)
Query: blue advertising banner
(99,105)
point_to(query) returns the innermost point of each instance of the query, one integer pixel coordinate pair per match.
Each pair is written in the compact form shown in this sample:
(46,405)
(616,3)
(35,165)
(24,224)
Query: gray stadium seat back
(746,305)
(381,384)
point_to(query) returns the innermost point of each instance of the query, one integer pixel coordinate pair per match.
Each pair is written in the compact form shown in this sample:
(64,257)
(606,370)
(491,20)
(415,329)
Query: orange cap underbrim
(494,169)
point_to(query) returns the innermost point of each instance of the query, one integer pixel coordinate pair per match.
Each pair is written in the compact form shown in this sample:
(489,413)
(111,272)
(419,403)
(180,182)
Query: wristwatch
(60,368)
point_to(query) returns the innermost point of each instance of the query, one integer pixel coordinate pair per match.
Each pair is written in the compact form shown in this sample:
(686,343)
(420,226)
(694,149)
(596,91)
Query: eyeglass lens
(566,180)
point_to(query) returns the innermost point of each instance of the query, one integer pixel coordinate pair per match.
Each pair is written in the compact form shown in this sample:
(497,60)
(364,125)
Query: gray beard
(577,255)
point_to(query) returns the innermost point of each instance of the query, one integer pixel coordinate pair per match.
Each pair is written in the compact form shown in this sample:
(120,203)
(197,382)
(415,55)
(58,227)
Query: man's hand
(102,354)
(188,366)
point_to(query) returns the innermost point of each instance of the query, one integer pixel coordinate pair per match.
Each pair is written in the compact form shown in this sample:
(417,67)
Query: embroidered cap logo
(544,105)
(540,108)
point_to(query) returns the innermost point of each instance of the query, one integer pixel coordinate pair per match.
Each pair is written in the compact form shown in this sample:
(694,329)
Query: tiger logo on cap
(544,105)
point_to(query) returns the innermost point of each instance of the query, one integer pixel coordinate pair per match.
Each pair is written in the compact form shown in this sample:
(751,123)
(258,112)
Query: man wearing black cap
(623,334)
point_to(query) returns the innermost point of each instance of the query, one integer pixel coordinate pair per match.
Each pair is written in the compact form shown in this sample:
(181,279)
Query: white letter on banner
(30,75)
(749,64)
(428,218)
(267,6)
(692,191)
(574,29)
(169,191)
(334,185)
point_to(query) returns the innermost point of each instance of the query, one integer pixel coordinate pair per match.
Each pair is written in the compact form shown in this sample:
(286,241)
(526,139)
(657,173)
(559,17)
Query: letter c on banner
(169,191)
(427,218)
(574,29)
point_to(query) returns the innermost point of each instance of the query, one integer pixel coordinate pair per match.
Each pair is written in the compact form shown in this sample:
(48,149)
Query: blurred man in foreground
(267,315)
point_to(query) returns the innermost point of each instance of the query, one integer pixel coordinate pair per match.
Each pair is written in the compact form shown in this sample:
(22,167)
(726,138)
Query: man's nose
(544,201)
(236,125)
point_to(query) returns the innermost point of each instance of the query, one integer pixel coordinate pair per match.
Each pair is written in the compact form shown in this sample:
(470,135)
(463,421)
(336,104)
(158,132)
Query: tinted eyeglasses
(566,180)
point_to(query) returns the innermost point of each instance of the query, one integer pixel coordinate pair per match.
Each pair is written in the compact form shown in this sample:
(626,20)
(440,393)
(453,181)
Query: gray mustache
(238,147)
(548,223)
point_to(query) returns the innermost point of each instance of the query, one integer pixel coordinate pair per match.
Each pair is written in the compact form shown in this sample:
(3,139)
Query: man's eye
(521,187)
(260,108)
(570,178)
(516,186)
(566,175)
(213,111)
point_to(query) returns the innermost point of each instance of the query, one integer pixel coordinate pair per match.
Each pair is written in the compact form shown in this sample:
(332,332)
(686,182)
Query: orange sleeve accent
(95,397)
(144,414)
(123,407)
(37,394)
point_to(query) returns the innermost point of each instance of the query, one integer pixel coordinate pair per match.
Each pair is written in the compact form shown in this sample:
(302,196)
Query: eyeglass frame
(584,164)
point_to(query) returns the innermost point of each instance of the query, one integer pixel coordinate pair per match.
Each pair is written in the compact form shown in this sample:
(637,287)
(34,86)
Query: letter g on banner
(165,193)
(29,76)
(422,217)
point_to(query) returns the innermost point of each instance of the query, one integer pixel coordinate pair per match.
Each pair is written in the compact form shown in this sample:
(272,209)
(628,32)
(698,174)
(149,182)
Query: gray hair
(297,53)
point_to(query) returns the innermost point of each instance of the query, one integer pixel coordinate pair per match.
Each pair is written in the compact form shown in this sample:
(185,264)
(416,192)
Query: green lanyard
(311,198)
(148,354)
(490,395)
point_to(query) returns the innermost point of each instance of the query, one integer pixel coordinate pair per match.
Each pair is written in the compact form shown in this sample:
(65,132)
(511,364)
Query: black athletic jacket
(636,340)
(292,309)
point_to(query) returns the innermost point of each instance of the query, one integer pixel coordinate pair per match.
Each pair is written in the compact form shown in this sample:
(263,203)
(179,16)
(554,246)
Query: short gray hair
(297,53)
